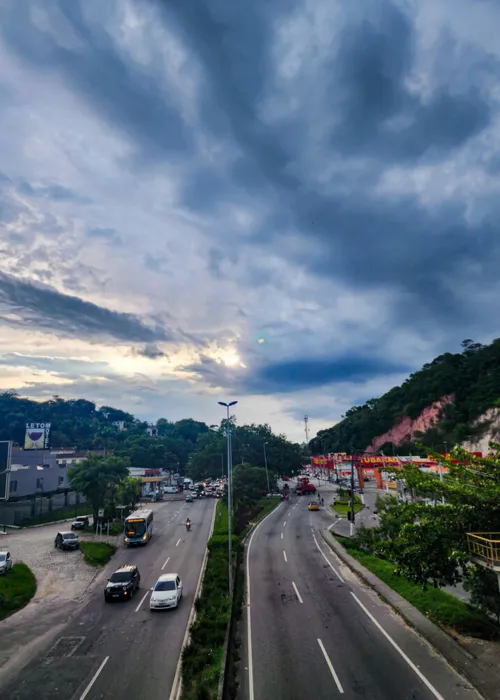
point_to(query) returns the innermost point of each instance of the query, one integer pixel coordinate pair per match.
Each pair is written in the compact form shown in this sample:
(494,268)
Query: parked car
(66,540)
(170,489)
(123,583)
(80,523)
(167,592)
(5,562)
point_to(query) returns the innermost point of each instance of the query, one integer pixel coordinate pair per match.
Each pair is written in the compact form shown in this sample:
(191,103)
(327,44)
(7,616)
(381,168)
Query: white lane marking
(284,555)
(284,523)
(251,695)
(178,542)
(328,561)
(330,666)
(297,592)
(94,678)
(399,650)
(164,565)
(334,523)
(142,601)
(281,535)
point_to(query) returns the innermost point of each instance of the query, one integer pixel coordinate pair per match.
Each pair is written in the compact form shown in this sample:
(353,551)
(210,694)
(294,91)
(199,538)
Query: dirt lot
(61,575)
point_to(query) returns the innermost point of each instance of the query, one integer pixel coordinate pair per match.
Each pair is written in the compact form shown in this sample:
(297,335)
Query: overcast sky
(291,203)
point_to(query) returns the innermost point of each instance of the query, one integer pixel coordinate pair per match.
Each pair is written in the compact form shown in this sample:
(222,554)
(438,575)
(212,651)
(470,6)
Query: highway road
(122,650)
(313,630)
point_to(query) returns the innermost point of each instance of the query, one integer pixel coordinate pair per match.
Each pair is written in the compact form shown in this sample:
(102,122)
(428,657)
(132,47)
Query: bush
(17,588)
(97,553)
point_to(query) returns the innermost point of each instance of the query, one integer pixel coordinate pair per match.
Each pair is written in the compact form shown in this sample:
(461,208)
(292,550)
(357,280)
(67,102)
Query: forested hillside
(471,378)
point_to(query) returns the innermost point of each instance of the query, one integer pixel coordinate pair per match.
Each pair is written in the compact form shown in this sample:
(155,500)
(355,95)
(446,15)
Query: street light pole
(229,495)
(267,473)
(352,492)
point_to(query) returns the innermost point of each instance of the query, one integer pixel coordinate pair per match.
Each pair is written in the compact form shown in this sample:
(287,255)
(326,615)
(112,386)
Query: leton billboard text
(37,436)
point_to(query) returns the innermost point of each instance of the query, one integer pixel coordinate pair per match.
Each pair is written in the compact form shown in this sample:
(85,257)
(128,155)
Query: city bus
(138,527)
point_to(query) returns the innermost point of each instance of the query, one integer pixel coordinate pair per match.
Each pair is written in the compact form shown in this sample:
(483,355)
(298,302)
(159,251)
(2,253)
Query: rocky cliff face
(405,429)
(489,423)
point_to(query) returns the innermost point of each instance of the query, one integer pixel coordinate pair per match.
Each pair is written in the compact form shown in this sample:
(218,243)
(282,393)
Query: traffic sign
(100,513)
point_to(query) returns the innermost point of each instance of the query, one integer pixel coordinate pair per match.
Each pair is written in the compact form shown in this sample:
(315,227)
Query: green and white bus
(138,527)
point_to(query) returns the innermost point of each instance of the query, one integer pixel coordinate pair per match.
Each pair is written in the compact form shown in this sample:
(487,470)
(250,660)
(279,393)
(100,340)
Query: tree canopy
(98,478)
(471,377)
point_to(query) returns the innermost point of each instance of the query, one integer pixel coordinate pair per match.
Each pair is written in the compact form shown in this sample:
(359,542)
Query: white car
(170,489)
(166,593)
(5,562)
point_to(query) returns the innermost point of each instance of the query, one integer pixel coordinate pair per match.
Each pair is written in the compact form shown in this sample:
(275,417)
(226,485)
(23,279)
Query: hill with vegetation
(462,385)
(185,446)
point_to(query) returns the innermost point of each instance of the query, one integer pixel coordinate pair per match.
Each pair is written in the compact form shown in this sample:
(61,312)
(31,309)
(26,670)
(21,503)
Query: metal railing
(485,545)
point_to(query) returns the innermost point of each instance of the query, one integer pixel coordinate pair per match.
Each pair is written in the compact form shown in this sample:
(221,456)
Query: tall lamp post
(229,493)
(267,473)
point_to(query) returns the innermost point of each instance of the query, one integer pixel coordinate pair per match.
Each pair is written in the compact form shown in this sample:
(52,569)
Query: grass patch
(202,657)
(97,553)
(17,588)
(342,506)
(439,606)
(56,515)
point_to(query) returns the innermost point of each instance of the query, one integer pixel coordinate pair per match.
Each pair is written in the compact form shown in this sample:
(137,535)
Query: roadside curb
(463,661)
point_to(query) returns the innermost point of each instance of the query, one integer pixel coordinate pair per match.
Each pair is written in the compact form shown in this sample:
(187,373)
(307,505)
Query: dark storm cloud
(286,376)
(121,92)
(368,239)
(150,351)
(44,308)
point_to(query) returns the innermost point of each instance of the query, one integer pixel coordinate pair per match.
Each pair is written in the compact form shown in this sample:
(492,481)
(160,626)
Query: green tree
(128,491)
(97,478)
(249,485)
(482,584)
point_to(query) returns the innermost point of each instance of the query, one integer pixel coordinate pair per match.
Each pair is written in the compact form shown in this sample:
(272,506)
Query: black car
(122,584)
(66,540)
(80,523)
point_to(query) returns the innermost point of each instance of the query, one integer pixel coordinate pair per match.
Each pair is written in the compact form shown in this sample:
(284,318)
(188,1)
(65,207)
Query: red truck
(304,487)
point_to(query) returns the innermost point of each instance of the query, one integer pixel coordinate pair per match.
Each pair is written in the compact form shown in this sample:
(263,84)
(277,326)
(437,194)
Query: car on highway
(66,540)
(80,523)
(313,506)
(166,593)
(5,562)
(123,583)
(189,498)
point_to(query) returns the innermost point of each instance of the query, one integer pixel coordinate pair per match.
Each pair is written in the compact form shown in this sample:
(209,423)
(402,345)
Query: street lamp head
(233,403)
(221,403)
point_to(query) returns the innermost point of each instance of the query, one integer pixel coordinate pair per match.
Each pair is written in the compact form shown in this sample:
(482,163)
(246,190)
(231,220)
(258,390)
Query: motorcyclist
(188,524)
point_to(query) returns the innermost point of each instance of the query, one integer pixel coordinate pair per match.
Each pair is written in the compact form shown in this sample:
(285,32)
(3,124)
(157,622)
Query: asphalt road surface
(123,650)
(317,632)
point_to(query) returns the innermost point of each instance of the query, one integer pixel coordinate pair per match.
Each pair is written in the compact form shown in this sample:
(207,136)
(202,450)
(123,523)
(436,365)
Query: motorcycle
(188,526)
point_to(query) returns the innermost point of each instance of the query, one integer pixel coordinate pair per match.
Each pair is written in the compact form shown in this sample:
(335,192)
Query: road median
(481,675)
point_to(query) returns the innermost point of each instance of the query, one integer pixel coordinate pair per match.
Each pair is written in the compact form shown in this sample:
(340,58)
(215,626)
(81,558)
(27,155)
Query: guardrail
(485,545)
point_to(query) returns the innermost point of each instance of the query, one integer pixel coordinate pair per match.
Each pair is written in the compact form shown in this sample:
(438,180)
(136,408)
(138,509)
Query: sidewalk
(476,660)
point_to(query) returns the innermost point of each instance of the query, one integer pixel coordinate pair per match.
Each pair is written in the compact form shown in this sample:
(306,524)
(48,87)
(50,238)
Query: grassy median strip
(17,588)
(266,506)
(97,553)
(434,603)
(202,657)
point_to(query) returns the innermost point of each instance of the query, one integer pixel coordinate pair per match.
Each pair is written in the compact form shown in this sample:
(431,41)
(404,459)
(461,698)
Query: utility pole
(352,492)
(229,495)
(267,473)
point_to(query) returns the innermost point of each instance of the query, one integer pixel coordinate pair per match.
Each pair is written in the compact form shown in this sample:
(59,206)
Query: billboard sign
(37,436)
(5,462)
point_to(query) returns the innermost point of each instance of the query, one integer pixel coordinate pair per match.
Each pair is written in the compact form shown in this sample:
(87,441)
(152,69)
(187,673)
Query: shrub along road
(316,631)
(133,651)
